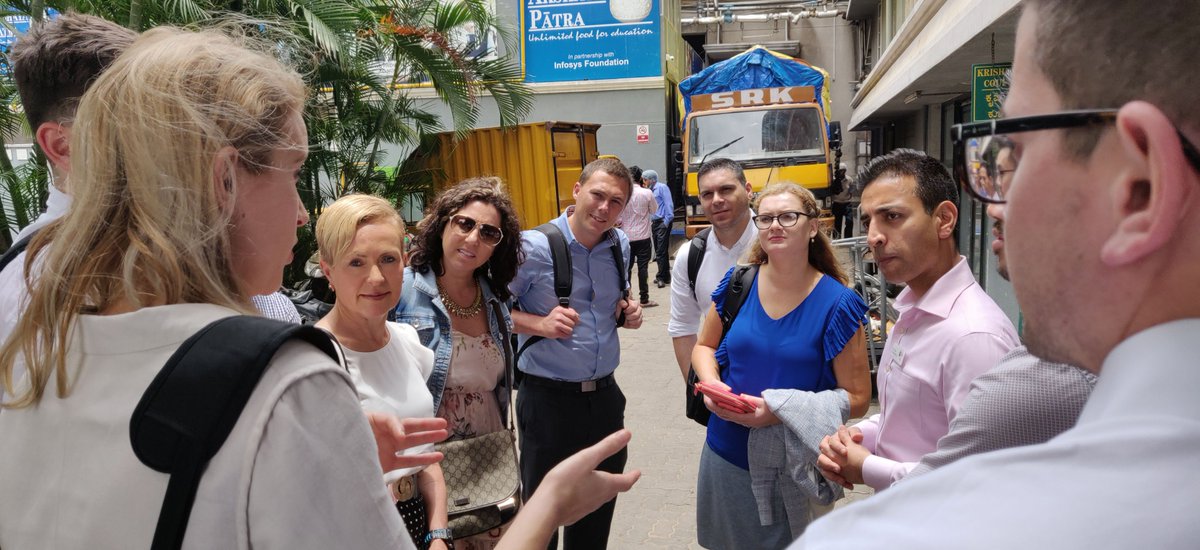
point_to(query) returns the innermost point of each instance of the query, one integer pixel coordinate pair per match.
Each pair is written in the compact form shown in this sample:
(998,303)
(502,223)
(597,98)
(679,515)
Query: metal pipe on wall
(759,17)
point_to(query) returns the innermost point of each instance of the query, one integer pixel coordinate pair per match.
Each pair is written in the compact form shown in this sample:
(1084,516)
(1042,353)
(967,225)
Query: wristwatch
(443,534)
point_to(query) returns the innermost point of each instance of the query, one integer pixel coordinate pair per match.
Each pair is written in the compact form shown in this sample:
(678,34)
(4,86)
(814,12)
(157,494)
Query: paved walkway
(659,512)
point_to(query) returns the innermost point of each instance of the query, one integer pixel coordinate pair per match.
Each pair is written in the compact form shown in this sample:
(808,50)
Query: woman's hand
(393,435)
(760,418)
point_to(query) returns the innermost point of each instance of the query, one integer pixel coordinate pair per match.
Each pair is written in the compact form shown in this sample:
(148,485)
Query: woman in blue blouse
(466,251)
(799,328)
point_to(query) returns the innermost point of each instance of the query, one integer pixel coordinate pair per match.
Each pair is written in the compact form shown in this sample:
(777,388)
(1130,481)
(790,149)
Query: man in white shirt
(725,199)
(53,65)
(1102,248)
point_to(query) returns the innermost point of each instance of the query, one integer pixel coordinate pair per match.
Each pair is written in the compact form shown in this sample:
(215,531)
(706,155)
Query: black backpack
(696,257)
(560,255)
(187,412)
(735,296)
(16,249)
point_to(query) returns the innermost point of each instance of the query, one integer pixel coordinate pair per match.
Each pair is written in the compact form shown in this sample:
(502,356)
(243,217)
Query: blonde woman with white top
(361,240)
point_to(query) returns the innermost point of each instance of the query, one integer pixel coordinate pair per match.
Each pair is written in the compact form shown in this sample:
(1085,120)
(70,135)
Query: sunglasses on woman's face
(489,234)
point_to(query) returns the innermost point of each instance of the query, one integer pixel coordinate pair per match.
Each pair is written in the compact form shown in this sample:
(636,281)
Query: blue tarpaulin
(757,67)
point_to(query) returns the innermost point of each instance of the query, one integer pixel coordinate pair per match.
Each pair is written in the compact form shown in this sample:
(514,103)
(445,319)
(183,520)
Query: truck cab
(775,134)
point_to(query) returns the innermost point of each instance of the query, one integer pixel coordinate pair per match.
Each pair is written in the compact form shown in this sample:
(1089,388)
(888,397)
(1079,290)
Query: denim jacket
(421,306)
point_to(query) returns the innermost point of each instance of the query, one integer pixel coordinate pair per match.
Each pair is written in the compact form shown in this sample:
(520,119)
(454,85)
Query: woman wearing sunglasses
(798,328)
(466,251)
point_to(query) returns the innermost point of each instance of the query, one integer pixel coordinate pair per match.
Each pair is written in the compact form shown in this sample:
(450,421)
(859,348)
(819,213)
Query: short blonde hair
(820,250)
(149,227)
(339,221)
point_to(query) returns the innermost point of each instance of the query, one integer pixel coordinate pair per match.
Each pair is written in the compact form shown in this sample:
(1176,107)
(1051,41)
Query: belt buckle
(587,386)
(404,489)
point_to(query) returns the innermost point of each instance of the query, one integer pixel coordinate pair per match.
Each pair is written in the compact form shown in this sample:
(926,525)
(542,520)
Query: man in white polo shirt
(725,199)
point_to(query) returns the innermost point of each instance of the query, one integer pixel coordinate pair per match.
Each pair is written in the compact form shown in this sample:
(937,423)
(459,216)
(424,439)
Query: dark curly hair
(506,257)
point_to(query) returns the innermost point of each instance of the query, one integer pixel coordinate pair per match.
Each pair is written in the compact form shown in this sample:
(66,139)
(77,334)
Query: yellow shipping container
(539,162)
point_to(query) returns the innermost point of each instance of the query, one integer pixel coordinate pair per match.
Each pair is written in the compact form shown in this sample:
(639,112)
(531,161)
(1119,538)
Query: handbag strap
(509,363)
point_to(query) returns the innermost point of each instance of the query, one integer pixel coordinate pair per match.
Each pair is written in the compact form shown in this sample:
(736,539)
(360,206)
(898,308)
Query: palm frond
(182,11)
(21,190)
(12,115)
(502,79)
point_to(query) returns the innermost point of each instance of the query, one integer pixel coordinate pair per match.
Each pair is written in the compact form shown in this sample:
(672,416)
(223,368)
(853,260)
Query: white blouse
(392,379)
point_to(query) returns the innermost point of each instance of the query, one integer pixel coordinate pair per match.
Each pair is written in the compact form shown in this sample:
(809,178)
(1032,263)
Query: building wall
(675,60)
(954,30)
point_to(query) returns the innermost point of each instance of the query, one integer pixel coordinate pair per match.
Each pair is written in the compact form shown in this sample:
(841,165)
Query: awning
(935,56)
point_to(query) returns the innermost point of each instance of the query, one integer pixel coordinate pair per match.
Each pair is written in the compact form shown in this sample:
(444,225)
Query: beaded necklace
(462,312)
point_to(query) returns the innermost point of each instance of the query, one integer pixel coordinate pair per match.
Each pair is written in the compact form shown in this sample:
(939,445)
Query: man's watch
(443,534)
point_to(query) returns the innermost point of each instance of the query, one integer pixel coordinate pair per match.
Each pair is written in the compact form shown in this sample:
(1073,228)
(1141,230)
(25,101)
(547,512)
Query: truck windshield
(767,134)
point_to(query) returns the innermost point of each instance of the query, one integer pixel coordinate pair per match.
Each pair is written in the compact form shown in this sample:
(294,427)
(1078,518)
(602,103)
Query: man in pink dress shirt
(949,330)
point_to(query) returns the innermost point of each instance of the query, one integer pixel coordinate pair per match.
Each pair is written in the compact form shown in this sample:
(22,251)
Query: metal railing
(873,289)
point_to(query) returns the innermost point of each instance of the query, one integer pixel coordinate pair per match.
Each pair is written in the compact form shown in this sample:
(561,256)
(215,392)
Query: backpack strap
(187,412)
(739,287)
(696,257)
(619,261)
(16,249)
(560,257)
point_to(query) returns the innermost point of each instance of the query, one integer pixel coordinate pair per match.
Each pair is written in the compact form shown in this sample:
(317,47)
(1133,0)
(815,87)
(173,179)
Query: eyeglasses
(489,234)
(786,219)
(981,148)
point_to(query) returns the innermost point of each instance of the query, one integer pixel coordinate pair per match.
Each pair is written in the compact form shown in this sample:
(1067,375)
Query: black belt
(580,387)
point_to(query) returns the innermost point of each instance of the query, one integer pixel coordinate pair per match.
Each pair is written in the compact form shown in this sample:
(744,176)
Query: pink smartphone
(726,399)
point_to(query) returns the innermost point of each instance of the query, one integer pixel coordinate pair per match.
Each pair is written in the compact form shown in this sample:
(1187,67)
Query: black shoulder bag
(739,288)
(15,250)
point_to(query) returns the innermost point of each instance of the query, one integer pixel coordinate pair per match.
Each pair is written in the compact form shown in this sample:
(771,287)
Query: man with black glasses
(1114,291)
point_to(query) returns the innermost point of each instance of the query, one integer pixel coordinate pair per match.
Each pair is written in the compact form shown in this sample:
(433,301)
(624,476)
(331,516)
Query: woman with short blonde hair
(361,243)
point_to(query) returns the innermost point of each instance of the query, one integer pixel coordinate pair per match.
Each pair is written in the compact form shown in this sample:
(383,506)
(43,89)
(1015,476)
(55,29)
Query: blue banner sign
(568,40)
(18,23)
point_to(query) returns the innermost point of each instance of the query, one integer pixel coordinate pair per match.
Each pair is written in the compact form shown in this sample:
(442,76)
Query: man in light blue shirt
(568,398)
(660,224)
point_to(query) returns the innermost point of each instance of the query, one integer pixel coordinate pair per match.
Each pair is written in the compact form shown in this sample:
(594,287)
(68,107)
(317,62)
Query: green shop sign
(989,82)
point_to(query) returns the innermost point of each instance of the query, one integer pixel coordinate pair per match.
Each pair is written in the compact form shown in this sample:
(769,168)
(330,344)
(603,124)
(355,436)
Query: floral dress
(469,404)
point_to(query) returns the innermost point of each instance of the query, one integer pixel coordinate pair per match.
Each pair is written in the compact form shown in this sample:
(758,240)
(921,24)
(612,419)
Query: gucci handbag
(483,480)
(483,484)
